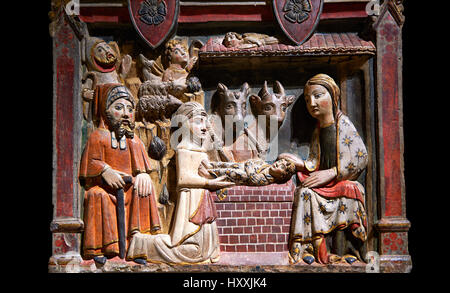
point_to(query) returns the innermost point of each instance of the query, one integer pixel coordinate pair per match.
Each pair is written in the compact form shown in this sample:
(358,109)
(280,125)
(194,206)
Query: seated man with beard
(112,152)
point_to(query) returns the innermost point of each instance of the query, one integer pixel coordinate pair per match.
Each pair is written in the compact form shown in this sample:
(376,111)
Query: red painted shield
(298,18)
(154,19)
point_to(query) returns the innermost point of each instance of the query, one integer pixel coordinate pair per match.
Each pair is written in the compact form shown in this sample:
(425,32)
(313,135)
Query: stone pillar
(67,225)
(392,225)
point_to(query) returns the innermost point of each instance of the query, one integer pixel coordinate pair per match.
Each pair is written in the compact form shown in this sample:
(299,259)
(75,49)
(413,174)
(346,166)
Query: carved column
(67,116)
(392,225)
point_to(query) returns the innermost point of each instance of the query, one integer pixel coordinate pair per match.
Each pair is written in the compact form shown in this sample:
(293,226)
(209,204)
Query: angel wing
(151,69)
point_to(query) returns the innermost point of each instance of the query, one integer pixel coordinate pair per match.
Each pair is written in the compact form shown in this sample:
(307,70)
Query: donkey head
(268,104)
(225,102)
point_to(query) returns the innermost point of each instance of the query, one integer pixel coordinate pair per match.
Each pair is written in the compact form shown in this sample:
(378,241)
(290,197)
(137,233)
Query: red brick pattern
(255,219)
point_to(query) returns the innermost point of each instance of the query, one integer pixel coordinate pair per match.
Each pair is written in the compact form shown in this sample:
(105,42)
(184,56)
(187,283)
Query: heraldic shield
(298,18)
(154,19)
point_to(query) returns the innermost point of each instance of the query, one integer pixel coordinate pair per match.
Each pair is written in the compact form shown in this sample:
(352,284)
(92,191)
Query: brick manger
(255,219)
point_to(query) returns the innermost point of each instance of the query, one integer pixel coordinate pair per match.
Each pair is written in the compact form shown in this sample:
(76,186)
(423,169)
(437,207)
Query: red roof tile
(318,44)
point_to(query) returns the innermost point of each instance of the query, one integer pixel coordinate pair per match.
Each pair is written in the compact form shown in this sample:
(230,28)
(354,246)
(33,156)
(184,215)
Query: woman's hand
(202,171)
(320,178)
(206,164)
(218,183)
(299,163)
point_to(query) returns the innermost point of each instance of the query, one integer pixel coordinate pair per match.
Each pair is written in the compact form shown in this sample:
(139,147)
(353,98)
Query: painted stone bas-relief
(183,230)
(238,153)
(326,202)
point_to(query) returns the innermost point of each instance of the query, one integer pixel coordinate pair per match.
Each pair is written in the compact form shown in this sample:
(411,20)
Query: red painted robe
(100,220)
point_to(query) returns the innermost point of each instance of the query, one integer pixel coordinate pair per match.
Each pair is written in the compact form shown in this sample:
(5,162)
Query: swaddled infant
(253,172)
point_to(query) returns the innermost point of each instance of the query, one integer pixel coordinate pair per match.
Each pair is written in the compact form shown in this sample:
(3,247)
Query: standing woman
(193,237)
(329,200)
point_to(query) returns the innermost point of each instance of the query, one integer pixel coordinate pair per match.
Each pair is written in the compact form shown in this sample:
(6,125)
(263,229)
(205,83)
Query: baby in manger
(253,172)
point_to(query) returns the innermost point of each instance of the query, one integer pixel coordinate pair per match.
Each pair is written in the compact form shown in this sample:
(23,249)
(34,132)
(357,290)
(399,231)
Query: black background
(27,232)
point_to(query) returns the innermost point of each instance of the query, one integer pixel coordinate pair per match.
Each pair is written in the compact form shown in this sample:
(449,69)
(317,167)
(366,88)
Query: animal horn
(278,88)
(244,87)
(222,87)
(264,91)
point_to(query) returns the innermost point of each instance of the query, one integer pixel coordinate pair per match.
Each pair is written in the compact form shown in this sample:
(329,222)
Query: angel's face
(179,55)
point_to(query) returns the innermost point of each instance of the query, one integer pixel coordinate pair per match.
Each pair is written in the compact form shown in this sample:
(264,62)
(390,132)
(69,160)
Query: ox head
(268,104)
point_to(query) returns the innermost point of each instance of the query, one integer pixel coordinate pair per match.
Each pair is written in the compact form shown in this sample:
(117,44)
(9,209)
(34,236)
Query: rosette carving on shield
(153,12)
(297,11)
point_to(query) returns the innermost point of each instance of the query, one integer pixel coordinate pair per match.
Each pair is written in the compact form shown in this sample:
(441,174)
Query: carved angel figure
(171,71)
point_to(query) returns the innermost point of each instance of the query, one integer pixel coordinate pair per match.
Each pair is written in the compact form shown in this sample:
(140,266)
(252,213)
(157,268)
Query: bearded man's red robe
(100,219)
